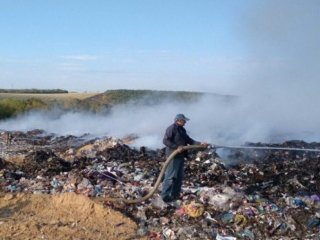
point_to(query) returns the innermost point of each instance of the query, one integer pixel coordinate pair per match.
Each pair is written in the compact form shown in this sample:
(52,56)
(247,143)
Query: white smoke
(147,122)
(213,120)
(282,91)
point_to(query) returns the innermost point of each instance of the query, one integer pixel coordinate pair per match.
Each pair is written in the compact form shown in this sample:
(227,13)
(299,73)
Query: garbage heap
(249,194)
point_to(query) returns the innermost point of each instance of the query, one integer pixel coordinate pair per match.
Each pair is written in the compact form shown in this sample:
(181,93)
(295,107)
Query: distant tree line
(33,90)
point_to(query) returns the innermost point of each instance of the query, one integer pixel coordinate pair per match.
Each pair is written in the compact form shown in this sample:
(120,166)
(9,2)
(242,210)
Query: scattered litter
(219,237)
(259,194)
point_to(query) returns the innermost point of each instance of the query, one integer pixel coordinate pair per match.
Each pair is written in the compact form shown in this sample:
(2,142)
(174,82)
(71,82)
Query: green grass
(17,102)
(141,97)
(12,107)
(12,104)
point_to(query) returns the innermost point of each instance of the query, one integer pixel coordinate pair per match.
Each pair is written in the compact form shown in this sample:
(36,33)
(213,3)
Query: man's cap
(180,116)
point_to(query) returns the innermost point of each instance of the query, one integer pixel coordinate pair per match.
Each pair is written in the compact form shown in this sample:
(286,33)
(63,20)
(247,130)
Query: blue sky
(204,45)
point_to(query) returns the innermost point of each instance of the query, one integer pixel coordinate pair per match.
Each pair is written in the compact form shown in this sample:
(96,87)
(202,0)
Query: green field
(14,103)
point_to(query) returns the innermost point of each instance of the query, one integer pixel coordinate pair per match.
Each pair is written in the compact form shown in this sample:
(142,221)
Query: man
(175,138)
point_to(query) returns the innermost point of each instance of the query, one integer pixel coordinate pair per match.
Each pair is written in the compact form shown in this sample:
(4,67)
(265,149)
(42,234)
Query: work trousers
(171,186)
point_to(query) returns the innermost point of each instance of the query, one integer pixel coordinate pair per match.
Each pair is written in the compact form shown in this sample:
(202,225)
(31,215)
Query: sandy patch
(63,216)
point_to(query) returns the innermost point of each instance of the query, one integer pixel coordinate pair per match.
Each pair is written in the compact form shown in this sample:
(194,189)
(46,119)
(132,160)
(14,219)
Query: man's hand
(205,144)
(180,149)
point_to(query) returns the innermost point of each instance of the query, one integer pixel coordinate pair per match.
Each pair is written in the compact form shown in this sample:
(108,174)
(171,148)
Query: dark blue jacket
(176,136)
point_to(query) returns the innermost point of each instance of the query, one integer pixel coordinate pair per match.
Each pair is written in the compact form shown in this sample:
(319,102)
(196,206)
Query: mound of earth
(62,216)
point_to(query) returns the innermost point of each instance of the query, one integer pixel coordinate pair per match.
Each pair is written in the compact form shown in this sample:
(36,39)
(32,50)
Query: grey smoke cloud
(284,37)
(212,120)
(282,91)
(148,122)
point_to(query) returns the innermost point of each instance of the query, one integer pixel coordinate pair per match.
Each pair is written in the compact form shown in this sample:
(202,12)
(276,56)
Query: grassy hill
(113,97)
(16,102)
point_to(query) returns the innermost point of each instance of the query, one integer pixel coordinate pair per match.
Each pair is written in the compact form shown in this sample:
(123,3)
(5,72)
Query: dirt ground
(61,216)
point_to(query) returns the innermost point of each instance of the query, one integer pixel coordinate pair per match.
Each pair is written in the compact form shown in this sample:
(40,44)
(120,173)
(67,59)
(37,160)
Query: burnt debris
(242,194)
